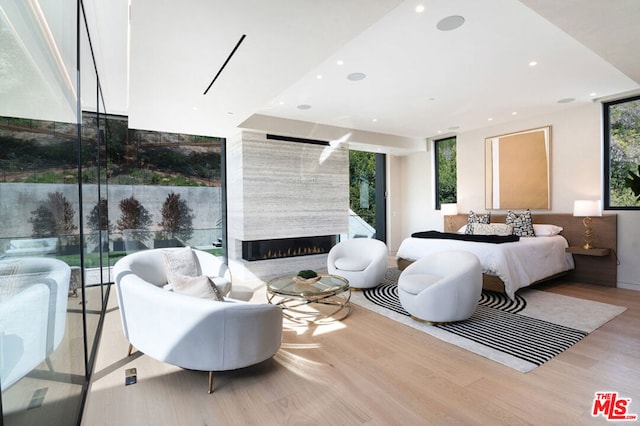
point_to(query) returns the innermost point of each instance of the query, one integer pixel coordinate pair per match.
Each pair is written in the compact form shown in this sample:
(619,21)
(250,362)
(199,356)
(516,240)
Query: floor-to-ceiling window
(367,195)
(51,168)
(78,190)
(445,171)
(622,154)
(165,190)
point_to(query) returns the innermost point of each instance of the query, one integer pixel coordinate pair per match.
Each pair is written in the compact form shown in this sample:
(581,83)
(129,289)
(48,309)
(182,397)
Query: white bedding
(517,264)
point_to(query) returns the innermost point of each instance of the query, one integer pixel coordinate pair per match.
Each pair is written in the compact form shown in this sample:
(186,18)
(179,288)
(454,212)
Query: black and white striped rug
(500,329)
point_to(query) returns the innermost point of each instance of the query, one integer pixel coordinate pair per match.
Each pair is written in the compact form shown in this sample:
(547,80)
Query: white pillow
(200,286)
(492,229)
(545,230)
(181,261)
(223,285)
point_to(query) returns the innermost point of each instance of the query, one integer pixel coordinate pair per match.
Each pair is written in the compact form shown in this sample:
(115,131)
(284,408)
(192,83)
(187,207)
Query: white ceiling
(420,82)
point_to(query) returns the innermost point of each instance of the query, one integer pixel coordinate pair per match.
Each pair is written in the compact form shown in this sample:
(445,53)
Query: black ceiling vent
(225,63)
(299,140)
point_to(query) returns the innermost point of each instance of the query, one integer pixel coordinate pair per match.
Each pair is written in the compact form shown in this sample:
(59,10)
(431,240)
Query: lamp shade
(586,208)
(449,209)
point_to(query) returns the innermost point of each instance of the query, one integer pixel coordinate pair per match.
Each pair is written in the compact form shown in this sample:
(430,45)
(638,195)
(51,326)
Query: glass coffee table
(325,300)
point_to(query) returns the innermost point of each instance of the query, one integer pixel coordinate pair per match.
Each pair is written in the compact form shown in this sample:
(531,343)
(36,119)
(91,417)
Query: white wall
(576,173)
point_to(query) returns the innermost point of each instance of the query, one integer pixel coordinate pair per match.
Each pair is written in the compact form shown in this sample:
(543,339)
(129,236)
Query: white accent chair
(33,313)
(442,287)
(362,261)
(191,332)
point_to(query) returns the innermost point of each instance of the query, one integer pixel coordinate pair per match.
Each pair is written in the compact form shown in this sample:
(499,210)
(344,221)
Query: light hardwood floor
(368,369)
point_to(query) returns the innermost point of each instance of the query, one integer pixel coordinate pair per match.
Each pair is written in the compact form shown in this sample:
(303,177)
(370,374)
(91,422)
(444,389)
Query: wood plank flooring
(369,370)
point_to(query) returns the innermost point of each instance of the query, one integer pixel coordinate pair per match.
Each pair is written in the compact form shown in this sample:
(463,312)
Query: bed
(507,266)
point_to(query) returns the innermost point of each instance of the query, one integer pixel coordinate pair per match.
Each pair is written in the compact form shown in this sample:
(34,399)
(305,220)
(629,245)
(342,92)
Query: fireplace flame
(301,251)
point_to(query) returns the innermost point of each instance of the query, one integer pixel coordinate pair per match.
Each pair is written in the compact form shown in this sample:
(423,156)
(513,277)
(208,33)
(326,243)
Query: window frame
(606,114)
(436,154)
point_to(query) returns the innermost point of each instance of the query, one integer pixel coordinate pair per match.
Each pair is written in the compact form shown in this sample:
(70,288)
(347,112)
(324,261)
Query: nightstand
(588,252)
(595,265)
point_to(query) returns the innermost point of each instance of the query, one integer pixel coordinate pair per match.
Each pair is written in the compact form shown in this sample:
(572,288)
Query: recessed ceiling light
(374,120)
(592,94)
(319,76)
(304,106)
(566,100)
(356,76)
(229,113)
(454,127)
(450,23)
(281,103)
(439,131)
(432,99)
(514,113)
(420,8)
(490,119)
(533,63)
(340,62)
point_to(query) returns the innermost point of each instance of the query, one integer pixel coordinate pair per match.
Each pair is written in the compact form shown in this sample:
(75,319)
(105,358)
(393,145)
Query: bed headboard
(594,269)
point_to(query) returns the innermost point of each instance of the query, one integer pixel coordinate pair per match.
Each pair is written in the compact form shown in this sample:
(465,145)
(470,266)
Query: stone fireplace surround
(283,189)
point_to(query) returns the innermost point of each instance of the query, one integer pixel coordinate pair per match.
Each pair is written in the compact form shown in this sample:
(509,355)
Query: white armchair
(362,261)
(190,332)
(442,287)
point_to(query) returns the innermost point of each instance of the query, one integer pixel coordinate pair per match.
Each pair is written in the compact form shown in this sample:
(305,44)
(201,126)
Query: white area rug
(522,334)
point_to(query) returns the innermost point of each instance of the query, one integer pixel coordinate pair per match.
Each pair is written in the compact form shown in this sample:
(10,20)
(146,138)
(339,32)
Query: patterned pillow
(492,229)
(475,218)
(522,225)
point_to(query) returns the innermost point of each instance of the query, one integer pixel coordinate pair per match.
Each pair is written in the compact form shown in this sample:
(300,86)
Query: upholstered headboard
(604,228)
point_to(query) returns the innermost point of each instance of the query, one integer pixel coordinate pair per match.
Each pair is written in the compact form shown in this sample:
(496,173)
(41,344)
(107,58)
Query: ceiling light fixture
(566,100)
(592,94)
(450,23)
(533,63)
(340,62)
(514,113)
(304,106)
(319,76)
(420,8)
(356,76)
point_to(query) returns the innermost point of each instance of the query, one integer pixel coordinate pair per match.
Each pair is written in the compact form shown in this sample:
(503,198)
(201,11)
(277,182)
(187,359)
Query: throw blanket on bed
(494,239)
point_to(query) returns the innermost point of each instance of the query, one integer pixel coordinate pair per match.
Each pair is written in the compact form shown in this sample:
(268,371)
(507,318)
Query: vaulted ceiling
(408,69)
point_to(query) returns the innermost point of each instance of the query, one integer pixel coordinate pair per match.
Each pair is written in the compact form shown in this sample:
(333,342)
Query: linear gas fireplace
(287,247)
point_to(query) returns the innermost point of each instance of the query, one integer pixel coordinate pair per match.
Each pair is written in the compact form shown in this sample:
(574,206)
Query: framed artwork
(517,170)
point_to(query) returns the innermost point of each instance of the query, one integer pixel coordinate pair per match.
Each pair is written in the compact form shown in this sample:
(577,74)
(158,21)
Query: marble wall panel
(282,189)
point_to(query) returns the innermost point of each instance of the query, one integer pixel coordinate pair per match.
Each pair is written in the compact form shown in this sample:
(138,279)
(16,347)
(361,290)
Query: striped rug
(500,329)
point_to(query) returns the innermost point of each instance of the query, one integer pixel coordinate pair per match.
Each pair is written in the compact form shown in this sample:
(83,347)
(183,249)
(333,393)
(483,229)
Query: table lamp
(587,209)
(448,210)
